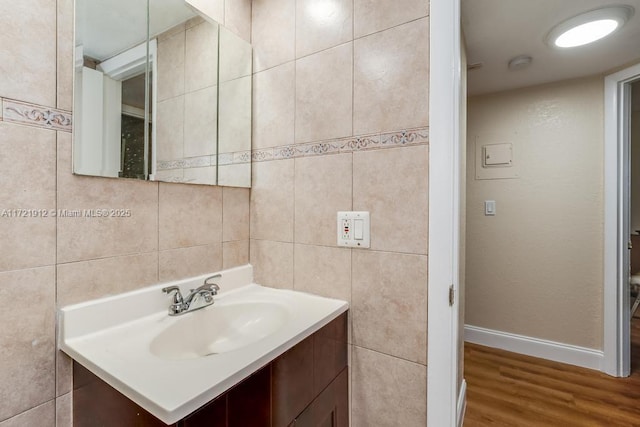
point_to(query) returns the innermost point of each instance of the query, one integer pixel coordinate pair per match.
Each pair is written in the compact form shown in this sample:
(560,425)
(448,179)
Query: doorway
(634,219)
(619,219)
(532,286)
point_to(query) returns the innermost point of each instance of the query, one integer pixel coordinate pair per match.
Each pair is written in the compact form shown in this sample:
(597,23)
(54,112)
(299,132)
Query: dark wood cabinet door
(97,404)
(249,403)
(303,372)
(329,353)
(213,414)
(330,408)
(292,383)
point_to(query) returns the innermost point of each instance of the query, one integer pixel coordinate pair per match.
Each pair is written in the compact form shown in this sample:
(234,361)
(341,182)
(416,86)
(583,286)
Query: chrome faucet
(198,298)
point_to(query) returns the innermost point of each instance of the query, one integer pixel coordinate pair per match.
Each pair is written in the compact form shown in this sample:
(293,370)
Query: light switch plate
(490,208)
(354,229)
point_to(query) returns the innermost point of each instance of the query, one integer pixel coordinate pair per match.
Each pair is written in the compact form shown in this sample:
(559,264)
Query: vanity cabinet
(330,408)
(307,386)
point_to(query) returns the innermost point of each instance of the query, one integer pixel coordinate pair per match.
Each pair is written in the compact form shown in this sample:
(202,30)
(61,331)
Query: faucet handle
(177,297)
(211,285)
(215,276)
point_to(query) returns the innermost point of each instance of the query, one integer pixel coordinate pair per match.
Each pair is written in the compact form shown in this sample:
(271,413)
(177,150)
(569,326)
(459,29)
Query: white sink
(219,328)
(173,365)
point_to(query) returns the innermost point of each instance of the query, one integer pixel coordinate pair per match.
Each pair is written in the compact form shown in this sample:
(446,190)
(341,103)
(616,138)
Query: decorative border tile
(225,159)
(262,155)
(36,115)
(186,163)
(234,158)
(48,118)
(199,162)
(409,137)
(242,157)
(164,165)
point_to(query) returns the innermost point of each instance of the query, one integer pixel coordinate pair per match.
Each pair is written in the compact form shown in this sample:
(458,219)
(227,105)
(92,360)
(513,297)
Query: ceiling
(497,30)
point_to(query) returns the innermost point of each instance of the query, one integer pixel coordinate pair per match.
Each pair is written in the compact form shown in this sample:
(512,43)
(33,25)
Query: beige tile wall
(356,120)
(187,98)
(47,262)
(341,123)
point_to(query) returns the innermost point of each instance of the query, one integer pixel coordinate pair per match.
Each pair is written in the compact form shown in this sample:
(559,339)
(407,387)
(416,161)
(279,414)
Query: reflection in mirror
(186,138)
(203,105)
(110,65)
(171,105)
(132,153)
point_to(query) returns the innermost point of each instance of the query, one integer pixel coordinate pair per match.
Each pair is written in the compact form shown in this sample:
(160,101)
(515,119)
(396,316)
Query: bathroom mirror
(160,93)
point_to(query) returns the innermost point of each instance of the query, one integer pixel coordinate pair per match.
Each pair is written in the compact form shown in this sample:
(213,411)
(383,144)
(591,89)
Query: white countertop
(111,337)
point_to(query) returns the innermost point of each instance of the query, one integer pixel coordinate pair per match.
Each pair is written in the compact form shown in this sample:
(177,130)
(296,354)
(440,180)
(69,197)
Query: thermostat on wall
(353,229)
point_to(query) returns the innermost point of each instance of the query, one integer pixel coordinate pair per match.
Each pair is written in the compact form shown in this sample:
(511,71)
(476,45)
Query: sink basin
(173,365)
(218,329)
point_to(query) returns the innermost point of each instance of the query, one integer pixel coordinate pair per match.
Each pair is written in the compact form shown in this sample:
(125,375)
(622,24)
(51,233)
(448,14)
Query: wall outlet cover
(353,229)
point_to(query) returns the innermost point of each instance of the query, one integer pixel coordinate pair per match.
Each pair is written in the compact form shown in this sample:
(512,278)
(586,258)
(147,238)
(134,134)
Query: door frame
(445,404)
(616,220)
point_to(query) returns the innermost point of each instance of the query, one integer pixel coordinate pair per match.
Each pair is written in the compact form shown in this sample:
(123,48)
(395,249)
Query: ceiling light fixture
(589,27)
(520,62)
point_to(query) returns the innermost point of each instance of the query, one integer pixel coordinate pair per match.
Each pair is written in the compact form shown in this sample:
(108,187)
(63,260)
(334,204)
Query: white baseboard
(558,352)
(462,403)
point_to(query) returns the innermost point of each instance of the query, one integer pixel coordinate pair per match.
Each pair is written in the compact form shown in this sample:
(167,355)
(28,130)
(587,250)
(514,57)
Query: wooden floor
(508,389)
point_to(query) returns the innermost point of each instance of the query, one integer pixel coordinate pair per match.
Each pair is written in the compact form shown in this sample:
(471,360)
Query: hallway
(508,389)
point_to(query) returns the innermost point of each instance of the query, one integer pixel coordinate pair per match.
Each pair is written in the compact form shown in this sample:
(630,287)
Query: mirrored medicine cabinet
(160,93)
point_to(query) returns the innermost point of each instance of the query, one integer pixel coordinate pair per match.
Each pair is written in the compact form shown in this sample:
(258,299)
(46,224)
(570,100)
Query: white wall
(635,158)
(463,218)
(535,269)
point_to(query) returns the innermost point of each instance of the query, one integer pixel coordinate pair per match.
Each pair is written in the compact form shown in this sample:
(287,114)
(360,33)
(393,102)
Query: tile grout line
(353,80)
(293,261)
(351,255)
(383,251)
(423,365)
(53,401)
(56,352)
(353,101)
(354,38)
(158,235)
(351,312)
(350,324)
(295,114)
(295,74)
(222,226)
